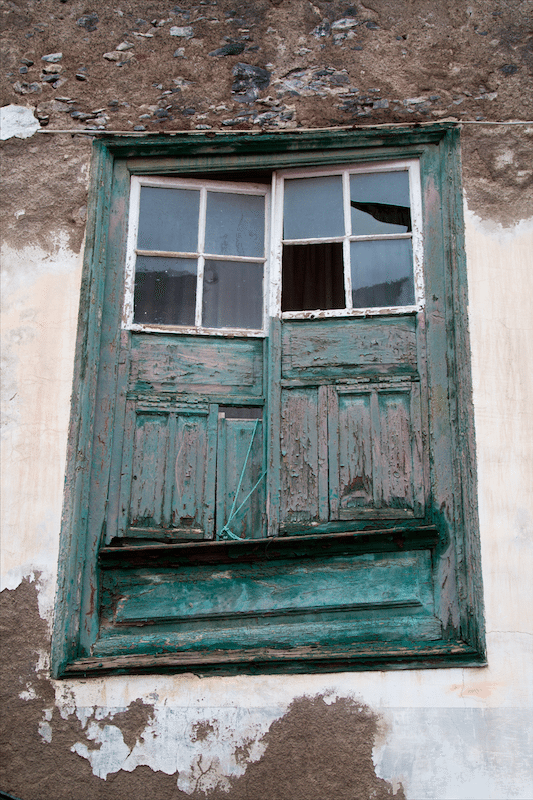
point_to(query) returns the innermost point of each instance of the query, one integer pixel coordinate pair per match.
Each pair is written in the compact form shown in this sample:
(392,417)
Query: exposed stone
(344,24)
(185,32)
(230,49)
(249,81)
(81,116)
(509,69)
(124,46)
(27,61)
(322,30)
(179,53)
(51,69)
(26,88)
(139,128)
(88,21)
(113,56)
(52,58)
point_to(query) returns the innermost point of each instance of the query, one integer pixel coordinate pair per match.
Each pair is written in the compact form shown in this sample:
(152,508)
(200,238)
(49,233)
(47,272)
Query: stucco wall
(444,733)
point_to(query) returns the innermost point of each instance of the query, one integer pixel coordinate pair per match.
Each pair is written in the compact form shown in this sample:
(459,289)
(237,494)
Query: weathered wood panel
(299,455)
(190,472)
(373,597)
(395,456)
(340,348)
(197,364)
(355,458)
(282,587)
(150,455)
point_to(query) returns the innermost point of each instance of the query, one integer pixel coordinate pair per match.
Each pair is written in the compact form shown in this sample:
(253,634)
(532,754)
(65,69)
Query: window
(271,456)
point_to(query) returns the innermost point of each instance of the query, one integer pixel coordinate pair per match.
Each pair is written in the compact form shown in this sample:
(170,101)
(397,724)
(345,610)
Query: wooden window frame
(449,546)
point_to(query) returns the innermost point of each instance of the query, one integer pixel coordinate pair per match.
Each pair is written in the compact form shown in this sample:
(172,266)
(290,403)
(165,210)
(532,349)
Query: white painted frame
(203,186)
(272,260)
(412,167)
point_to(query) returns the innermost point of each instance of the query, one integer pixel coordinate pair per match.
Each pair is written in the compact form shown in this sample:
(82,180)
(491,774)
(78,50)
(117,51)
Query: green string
(225,532)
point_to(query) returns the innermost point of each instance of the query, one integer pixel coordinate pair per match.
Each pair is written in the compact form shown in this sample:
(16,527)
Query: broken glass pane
(382,273)
(380,203)
(165,290)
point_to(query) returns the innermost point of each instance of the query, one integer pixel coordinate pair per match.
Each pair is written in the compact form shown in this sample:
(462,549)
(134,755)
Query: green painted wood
(299,456)
(394,655)
(373,538)
(107,291)
(273,423)
(443,452)
(305,586)
(74,549)
(343,348)
(200,364)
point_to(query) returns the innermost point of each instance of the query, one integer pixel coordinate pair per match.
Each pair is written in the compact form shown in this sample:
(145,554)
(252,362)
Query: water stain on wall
(319,749)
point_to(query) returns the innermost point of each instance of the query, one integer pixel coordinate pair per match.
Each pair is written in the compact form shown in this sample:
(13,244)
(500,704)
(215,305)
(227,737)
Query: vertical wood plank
(168,490)
(356,489)
(377,455)
(127,466)
(419,477)
(299,455)
(208,509)
(234,442)
(119,429)
(273,406)
(190,470)
(148,470)
(323,499)
(396,452)
(333,454)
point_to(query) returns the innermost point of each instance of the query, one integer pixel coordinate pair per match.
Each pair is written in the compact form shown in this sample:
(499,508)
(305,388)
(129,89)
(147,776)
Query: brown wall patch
(319,749)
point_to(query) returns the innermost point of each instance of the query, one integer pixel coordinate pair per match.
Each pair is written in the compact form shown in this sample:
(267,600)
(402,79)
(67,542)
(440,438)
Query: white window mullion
(416,234)
(276,246)
(201,258)
(346,240)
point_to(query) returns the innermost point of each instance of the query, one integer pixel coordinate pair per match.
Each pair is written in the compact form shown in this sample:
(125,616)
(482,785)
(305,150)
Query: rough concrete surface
(250,63)
(318,749)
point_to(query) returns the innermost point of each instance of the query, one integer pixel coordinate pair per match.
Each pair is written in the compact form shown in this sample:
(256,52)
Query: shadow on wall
(317,750)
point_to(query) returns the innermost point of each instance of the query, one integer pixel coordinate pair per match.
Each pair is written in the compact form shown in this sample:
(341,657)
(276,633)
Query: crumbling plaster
(448,733)
(98,720)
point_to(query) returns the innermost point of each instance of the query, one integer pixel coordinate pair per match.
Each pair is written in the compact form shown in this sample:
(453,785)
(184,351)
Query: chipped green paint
(369,501)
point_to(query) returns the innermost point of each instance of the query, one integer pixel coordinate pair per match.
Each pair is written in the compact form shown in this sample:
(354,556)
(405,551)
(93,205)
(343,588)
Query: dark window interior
(312,276)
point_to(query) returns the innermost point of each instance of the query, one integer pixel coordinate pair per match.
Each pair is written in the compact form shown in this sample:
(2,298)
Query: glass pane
(313,208)
(233,295)
(312,276)
(380,203)
(382,273)
(165,290)
(168,219)
(235,224)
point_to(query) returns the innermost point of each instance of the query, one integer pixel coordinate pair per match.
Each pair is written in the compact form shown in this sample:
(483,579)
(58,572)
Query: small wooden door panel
(303,455)
(166,487)
(375,451)
(240,469)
